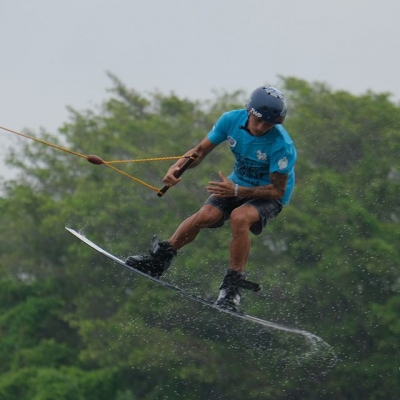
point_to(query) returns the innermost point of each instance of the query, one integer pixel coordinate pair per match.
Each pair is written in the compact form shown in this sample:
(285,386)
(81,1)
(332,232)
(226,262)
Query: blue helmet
(268,103)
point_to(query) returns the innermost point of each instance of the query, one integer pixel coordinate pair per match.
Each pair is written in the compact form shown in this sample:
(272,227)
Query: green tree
(78,327)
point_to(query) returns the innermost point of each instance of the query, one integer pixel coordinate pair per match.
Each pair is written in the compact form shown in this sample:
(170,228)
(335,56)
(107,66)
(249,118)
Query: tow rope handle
(179,172)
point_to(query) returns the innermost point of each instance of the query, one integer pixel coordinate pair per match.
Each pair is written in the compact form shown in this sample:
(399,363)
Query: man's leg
(190,227)
(162,253)
(242,218)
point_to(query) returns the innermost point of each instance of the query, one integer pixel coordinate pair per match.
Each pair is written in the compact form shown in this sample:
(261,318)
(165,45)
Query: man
(262,182)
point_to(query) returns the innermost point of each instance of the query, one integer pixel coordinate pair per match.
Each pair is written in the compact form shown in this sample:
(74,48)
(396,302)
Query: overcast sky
(56,53)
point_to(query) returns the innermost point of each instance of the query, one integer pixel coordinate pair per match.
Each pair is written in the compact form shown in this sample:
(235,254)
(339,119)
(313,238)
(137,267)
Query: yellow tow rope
(99,161)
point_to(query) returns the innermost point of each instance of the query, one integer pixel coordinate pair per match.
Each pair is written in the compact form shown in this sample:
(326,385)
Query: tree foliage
(73,326)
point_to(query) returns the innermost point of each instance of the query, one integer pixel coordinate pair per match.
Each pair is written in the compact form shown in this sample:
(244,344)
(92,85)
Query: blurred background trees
(73,326)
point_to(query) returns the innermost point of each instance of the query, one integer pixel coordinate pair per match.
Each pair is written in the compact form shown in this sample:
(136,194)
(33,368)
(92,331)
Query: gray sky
(55,53)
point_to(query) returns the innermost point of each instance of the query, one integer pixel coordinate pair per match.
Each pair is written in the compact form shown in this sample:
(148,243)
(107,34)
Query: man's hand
(170,179)
(226,188)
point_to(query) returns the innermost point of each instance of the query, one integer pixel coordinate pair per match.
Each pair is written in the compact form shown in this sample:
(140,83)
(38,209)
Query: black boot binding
(229,295)
(159,260)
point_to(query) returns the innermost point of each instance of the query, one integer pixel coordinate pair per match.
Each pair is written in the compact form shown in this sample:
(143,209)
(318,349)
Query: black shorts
(267,209)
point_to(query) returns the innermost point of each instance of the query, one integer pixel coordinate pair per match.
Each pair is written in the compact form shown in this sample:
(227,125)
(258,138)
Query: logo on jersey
(232,141)
(256,113)
(283,163)
(261,156)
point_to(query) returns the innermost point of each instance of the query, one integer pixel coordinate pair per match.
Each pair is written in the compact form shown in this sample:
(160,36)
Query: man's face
(257,126)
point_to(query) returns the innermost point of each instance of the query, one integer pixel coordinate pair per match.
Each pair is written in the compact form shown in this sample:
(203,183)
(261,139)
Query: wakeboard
(191,296)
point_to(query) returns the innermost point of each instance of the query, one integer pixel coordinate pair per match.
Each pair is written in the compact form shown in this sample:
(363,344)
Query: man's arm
(226,188)
(202,149)
(275,190)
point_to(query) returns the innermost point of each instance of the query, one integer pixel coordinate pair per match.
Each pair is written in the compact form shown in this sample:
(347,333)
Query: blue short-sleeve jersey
(256,156)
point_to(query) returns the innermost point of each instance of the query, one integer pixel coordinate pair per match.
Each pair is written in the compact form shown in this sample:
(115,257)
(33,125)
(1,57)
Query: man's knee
(244,217)
(207,216)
